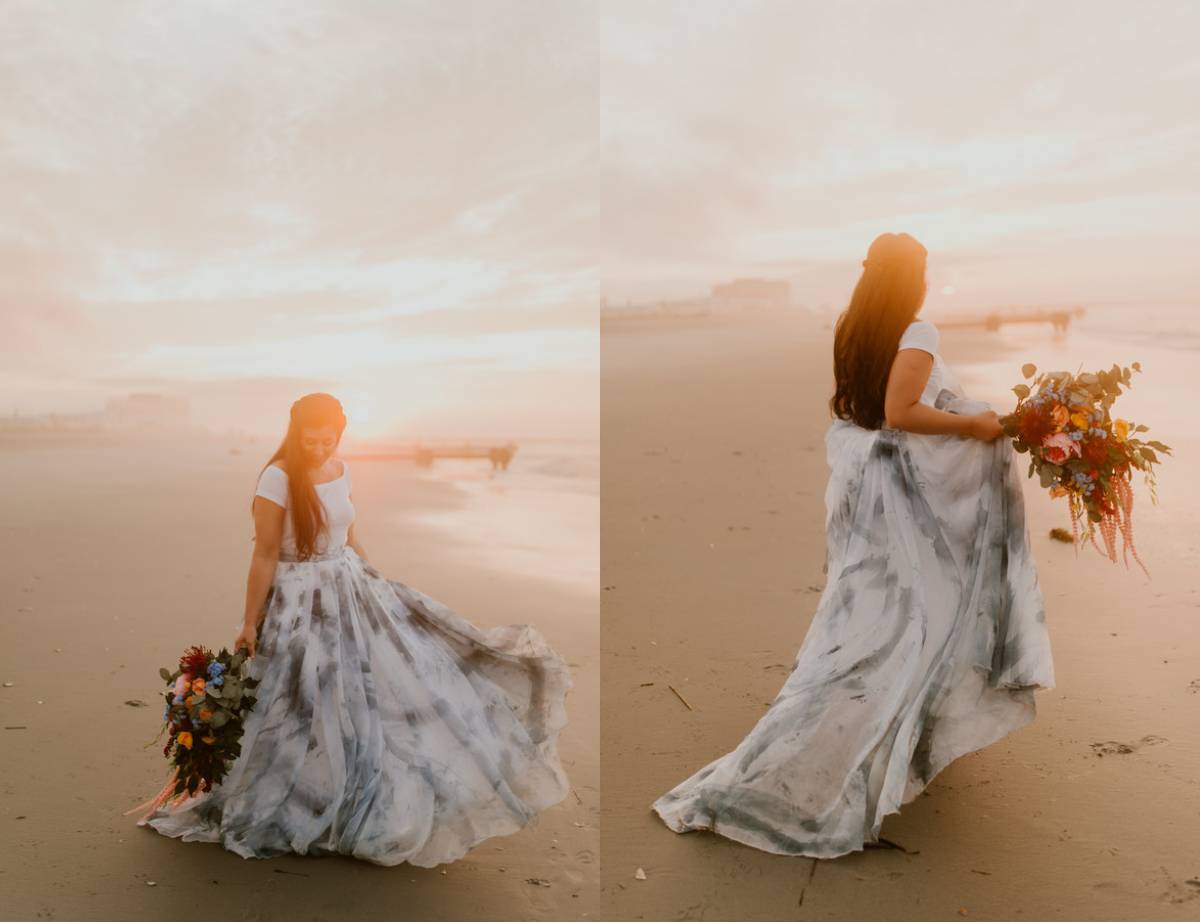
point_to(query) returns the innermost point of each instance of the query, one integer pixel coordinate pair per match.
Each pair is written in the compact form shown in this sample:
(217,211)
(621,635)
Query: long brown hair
(886,299)
(308,517)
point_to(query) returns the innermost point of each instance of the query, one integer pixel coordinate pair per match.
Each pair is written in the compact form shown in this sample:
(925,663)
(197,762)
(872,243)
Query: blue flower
(218,681)
(216,668)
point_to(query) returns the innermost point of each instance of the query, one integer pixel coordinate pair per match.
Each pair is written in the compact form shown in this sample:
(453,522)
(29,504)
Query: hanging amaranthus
(1080,451)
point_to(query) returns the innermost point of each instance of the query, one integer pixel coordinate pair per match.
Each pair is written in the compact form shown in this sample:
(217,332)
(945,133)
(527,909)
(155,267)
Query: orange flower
(1121,429)
(198,686)
(209,739)
(205,713)
(1060,415)
(1058,490)
(189,700)
(184,739)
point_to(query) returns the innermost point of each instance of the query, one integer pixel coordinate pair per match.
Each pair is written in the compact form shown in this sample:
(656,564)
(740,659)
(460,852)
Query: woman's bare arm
(902,405)
(353,542)
(268,533)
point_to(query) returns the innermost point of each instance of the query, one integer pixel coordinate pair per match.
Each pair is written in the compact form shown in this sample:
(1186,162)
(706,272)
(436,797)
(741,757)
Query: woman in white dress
(386,727)
(930,636)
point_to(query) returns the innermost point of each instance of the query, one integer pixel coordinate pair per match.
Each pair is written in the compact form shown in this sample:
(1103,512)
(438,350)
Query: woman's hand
(986,426)
(248,638)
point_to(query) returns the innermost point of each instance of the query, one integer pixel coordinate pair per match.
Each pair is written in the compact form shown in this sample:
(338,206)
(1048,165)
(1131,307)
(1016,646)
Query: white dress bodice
(335,500)
(922,334)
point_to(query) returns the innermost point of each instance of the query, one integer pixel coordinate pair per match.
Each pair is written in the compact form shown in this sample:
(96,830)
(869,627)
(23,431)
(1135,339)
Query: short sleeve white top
(335,501)
(923,335)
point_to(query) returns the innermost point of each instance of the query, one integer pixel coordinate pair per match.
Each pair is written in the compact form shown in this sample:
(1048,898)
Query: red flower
(1054,454)
(195,661)
(1095,451)
(1035,425)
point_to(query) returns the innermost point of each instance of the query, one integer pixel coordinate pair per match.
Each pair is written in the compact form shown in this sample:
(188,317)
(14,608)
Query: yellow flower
(1060,415)
(1081,421)
(209,739)
(1121,429)
(198,686)
(184,739)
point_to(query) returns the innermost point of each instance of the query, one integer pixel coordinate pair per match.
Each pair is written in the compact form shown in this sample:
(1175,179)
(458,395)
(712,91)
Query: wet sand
(713,475)
(116,557)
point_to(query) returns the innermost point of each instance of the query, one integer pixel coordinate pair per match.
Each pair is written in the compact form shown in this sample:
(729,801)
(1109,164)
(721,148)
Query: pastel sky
(419,205)
(242,203)
(1043,152)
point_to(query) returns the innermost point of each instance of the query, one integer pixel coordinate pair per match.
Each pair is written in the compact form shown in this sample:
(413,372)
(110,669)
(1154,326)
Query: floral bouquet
(1079,451)
(206,702)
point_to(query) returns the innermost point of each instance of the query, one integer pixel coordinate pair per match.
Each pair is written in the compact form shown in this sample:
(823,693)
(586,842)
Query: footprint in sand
(1184,892)
(1112,747)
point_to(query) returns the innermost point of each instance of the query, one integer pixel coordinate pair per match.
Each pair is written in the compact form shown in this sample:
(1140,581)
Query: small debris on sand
(680,697)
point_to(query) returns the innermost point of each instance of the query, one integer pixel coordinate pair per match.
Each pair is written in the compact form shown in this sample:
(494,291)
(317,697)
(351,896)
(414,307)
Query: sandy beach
(713,474)
(118,555)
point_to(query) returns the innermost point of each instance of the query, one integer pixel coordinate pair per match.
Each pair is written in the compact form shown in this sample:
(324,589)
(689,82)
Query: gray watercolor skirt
(386,727)
(928,643)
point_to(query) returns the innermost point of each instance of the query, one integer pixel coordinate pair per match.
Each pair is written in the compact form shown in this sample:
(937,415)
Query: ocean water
(1164,339)
(540,517)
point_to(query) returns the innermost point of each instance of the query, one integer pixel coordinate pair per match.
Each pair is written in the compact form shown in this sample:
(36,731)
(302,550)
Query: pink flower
(1058,447)
(181,684)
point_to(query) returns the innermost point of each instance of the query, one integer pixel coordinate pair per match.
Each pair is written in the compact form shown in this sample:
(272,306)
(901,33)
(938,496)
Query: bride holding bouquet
(385,726)
(930,637)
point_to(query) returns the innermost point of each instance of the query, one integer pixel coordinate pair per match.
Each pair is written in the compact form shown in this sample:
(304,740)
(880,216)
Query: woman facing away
(386,727)
(930,636)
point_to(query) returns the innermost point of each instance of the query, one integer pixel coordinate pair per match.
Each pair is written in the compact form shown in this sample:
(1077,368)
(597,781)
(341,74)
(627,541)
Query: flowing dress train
(928,642)
(386,726)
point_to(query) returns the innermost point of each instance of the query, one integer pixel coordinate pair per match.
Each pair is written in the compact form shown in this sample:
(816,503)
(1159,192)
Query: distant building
(682,307)
(685,307)
(751,295)
(53,422)
(147,411)
(135,412)
(739,296)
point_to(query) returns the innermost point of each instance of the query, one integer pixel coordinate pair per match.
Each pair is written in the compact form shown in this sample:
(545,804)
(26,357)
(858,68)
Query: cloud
(205,189)
(761,134)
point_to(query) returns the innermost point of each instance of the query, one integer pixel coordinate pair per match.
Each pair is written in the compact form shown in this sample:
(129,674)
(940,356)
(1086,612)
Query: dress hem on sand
(386,727)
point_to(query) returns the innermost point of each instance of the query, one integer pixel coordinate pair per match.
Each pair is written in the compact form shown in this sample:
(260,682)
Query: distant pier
(498,454)
(1058,317)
